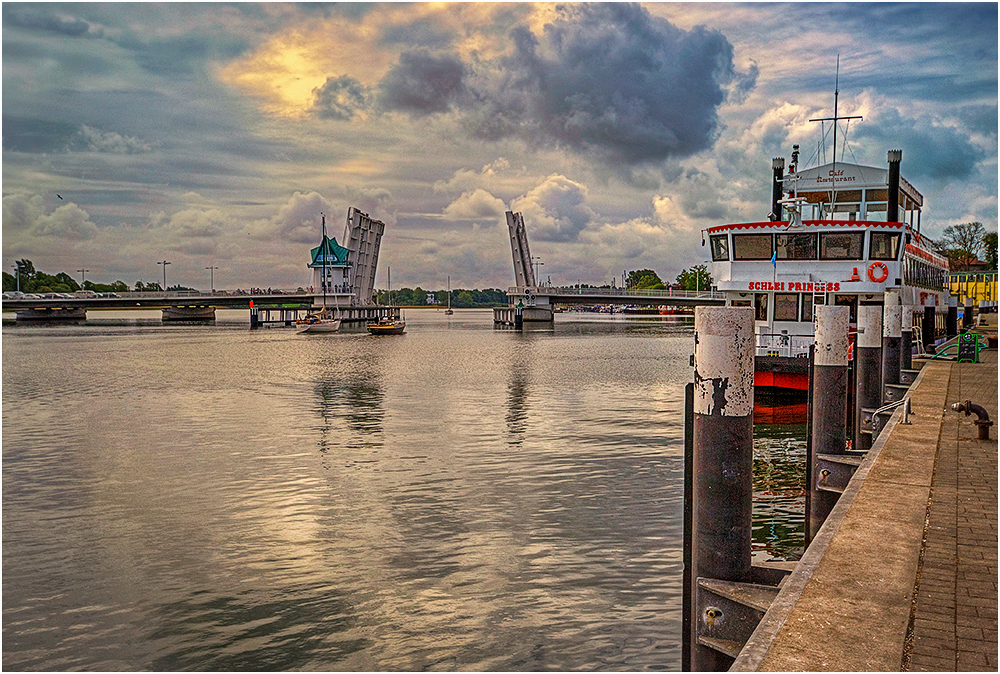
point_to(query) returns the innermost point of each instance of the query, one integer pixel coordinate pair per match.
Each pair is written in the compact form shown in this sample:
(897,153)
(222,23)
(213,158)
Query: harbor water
(207,497)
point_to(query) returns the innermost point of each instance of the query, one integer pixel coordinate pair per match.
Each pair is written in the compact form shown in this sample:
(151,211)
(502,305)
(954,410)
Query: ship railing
(784,345)
(615,292)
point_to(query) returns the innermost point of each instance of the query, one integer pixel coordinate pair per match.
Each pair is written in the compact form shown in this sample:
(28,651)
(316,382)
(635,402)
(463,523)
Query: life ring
(884,275)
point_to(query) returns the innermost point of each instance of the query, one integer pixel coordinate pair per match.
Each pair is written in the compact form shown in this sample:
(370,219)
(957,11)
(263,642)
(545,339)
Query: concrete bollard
(892,316)
(829,407)
(868,377)
(722,489)
(906,343)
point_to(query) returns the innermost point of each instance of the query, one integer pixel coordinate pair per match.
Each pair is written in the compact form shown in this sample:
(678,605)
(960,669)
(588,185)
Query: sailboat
(322,320)
(449,312)
(387,326)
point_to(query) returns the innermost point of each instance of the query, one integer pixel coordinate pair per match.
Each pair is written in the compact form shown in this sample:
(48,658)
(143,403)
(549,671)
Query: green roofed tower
(330,258)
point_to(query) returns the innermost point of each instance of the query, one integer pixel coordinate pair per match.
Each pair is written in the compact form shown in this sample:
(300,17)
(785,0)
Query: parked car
(13,295)
(85,293)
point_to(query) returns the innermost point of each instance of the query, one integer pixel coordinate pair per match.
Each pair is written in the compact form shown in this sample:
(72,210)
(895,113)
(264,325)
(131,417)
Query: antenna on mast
(834,119)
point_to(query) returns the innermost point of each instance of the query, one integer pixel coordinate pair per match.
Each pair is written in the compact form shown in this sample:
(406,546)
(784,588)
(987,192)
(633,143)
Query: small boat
(386,327)
(320,321)
(449,312)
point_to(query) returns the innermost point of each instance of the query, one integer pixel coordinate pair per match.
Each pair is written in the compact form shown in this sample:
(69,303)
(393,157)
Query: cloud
(94,140)
(298,219)
(930,148)
(423,83)
(609,79)
(341,98)
(26,213)
(556,210)
(474,205)
(39,17)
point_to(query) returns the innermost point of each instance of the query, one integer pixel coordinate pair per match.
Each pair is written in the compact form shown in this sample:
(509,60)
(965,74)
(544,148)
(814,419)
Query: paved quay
(954,625)
(903,575)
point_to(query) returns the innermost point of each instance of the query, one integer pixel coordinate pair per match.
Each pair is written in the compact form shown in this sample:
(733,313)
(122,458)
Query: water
(457,498)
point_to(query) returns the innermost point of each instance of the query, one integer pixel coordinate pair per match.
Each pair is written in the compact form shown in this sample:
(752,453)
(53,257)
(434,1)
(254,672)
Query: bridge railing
(614,292)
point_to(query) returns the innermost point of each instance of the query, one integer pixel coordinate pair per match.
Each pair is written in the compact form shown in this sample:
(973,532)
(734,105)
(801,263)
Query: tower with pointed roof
(329,258)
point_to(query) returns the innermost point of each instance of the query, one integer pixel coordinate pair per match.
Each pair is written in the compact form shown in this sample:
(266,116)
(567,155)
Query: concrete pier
(903,574)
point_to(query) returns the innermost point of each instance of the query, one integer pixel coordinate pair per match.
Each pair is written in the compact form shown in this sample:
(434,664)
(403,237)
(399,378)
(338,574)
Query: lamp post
(83,278)
(213,277)
(17,274)
(534,261)
(164,263)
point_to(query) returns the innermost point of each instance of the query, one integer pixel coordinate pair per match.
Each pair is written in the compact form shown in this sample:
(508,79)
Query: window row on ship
(843,245)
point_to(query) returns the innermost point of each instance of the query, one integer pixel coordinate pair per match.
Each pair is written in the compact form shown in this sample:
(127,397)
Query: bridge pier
(187,314)
(52,314)
(507,315)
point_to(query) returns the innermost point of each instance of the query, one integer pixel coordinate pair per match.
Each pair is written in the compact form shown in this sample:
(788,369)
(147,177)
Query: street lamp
(17,273)
(537,264)
(164,263)
(83,279)
(213,278)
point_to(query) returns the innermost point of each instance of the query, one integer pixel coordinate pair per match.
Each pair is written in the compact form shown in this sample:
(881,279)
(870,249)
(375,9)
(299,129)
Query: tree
(644,279)
(990,254)
(696,278)
(962,244)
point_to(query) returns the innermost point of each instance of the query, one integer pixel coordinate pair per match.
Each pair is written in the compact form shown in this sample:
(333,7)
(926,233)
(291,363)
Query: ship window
(720,247)
(795,246)
(841,245)
(760,306)
(807,307)
(786,306)
(884,246)
(850,301)
(751,246)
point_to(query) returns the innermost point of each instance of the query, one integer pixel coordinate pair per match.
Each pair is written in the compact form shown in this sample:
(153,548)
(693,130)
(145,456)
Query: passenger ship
(838,234)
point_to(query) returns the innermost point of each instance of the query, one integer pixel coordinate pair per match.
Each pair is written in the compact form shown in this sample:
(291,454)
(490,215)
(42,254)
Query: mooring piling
(892,318)
(722,466)
(906,343)
(868,377)
(828,421)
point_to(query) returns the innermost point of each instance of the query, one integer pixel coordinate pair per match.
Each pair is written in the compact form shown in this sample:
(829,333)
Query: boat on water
(386,327)
(323,320)
(838,233)
(320,321)
(448,311)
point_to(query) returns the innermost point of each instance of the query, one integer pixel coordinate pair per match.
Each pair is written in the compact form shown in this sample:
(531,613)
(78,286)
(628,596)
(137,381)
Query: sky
(215,135)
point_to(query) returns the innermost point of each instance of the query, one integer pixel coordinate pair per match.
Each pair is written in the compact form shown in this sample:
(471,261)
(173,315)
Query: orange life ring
(883,276)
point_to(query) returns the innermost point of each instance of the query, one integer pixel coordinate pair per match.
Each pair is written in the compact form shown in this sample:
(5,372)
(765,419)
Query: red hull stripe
(798,381)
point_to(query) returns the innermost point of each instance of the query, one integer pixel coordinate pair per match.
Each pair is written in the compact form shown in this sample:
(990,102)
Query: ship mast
(834,119)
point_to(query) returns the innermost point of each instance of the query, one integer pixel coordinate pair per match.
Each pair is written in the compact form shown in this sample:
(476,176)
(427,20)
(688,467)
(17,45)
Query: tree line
(31,280)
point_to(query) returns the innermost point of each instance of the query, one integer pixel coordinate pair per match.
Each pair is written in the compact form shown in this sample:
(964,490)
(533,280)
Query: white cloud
(474,205)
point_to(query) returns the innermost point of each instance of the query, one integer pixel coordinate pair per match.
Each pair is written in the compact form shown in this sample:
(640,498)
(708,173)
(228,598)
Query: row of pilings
(725,595)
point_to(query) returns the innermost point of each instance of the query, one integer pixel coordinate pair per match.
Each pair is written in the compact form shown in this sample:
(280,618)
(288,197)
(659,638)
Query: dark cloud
(612,80)
(341,98)
(36,135)
(423,83)
(43,17)
(929,149)
(424,31)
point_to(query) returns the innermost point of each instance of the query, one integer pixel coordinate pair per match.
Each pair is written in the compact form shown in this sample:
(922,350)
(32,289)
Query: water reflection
(256,629)
(350,404)
(779,465)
